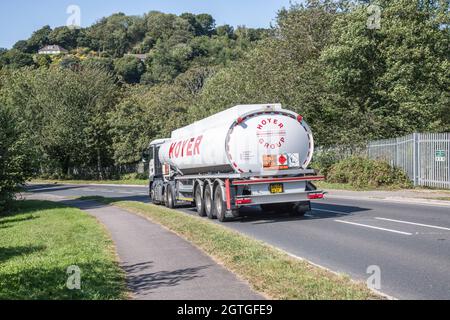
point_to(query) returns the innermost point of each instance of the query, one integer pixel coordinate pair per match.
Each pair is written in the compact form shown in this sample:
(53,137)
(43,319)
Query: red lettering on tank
(266,128)
(184,148)
(197,145)
(189,147)
(178,149)
(171,150)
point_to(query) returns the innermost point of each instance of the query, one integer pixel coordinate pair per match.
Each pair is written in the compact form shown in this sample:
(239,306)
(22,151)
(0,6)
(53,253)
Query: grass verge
(40,240)
(137,182)
(267,270)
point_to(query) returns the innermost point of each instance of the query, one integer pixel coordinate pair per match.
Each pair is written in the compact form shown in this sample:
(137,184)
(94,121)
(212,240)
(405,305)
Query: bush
(323,161)
(15,160)
(362,173)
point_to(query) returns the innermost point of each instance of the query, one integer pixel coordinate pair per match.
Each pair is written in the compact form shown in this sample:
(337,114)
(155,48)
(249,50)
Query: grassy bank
(40,240)
(137,182)
(267,269)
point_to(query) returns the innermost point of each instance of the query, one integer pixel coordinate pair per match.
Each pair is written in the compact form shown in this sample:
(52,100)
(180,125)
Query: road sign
(441,156)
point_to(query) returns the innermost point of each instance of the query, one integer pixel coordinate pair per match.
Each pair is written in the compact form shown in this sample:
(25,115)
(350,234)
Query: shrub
(362,173)
(323,161)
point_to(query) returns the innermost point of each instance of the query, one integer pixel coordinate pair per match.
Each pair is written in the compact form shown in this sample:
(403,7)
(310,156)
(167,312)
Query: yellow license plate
(276,188)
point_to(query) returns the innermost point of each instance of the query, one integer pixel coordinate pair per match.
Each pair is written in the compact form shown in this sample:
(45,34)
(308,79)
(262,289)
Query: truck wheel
(170,200)
(300,209)
(220,205)
(209,208)
(153,196)
(199,201)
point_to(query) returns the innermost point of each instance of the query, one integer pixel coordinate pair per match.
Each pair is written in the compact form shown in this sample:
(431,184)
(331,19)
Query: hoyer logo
(186,148)
(271,133)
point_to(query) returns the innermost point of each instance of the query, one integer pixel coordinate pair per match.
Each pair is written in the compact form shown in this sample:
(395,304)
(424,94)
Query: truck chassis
(222,196)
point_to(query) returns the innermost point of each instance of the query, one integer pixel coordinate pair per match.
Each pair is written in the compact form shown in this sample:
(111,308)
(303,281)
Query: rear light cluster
(243,201)
(314,196)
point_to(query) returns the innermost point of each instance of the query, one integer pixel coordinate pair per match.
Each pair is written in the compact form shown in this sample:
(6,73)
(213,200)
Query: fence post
(416,158)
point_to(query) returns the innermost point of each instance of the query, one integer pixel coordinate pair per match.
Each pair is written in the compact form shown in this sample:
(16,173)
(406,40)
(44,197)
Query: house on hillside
(52,49)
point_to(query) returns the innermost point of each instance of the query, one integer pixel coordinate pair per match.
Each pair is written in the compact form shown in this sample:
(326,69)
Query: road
(408,243)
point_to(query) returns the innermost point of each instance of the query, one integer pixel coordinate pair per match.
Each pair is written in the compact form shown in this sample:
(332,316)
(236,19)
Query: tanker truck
(249,155)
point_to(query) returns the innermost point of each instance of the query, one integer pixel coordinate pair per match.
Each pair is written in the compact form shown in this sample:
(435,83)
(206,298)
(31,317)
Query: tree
(64,113)
(129,69)
(39,39)
(225,31)
(206,23)
(394,80)
(65,37)
(15,158)
(146,113)
(22,46)
(17,59)
(115,34)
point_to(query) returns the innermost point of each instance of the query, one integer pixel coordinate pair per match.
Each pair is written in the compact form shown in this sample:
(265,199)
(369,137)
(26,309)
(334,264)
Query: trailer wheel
(170,200)
(220,205)
(300,209)
(209,207)
(199,201)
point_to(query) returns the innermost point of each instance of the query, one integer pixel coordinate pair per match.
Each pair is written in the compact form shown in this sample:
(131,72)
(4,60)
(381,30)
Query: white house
(52,49)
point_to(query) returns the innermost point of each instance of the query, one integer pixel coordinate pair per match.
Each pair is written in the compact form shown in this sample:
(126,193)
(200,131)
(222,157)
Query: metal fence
(424,156)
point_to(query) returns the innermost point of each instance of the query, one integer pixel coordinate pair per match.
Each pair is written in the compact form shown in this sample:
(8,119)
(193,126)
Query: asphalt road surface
(409,244)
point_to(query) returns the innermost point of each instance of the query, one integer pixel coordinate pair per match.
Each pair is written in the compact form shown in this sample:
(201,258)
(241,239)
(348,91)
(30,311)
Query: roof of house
(53,47)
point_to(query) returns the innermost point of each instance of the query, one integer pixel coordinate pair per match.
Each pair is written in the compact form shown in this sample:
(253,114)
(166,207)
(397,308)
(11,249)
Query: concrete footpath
(159,265)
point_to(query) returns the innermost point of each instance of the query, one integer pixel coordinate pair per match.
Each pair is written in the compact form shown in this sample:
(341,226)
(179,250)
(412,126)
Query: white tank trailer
(249,155)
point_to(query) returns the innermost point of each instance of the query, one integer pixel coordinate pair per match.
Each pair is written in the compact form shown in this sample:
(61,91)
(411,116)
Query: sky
(19,18)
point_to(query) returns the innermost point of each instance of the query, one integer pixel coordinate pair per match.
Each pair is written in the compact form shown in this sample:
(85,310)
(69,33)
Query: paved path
(159,265)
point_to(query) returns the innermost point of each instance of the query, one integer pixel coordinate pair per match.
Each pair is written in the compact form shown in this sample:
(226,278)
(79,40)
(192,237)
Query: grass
(138,182)
(268,270)
(40,240)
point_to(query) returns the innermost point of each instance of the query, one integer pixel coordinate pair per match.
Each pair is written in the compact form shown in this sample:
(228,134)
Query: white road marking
(373,227)
(338,212)
(414,224)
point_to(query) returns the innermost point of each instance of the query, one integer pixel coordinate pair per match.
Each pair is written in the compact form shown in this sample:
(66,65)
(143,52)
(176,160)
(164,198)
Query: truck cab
(156,171)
